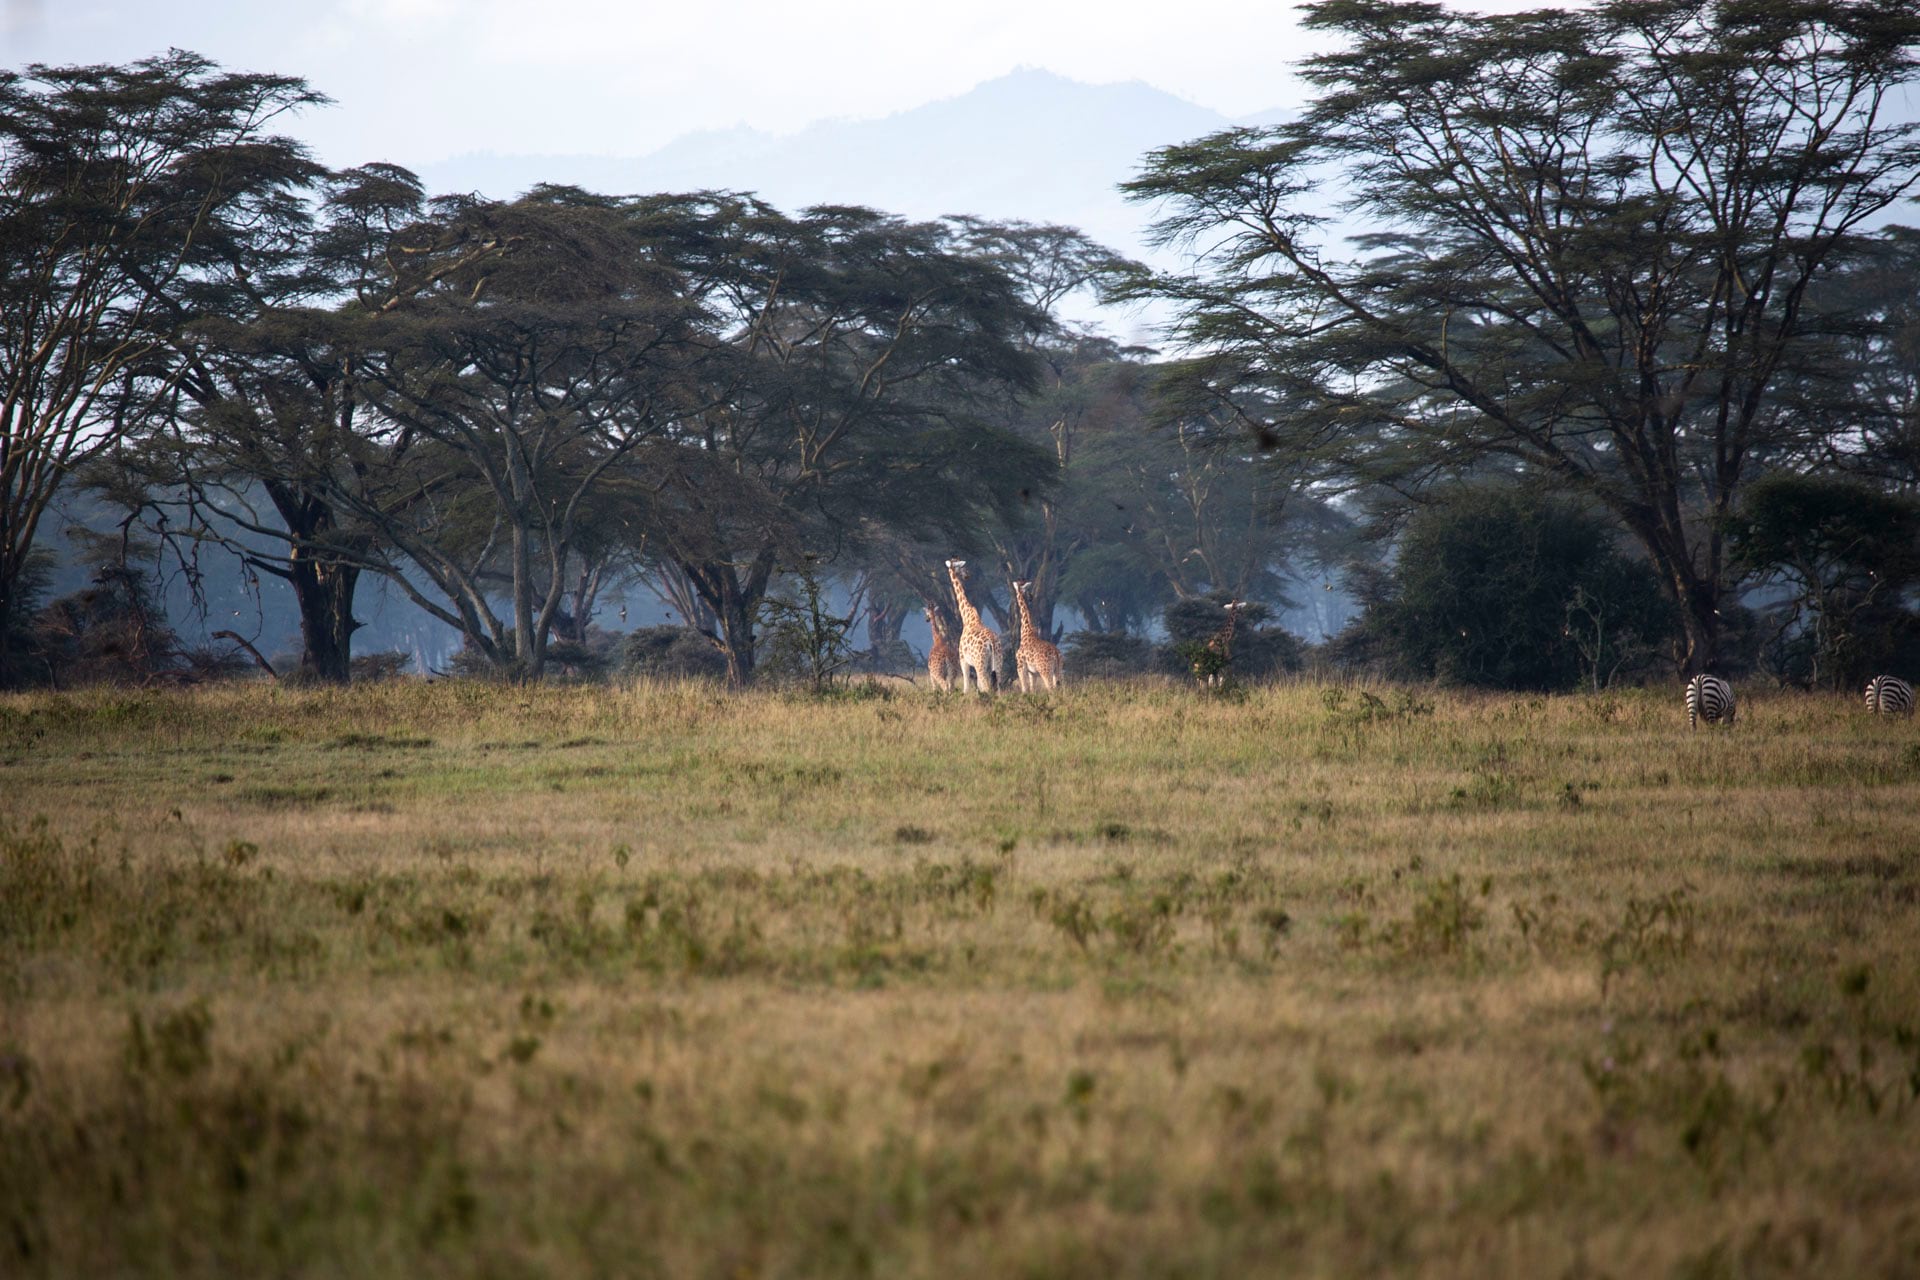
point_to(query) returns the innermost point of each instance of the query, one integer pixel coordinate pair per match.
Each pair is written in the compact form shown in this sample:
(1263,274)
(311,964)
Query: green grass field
(1130,981)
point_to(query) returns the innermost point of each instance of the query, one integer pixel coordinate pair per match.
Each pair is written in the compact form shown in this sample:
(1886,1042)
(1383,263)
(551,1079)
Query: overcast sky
(417,81)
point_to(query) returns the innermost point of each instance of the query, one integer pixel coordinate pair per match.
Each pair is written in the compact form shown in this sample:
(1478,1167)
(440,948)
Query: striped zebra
(1709,698)
(1889,696)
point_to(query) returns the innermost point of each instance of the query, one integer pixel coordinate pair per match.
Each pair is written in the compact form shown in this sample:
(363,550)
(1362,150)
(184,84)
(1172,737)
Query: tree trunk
(884,623)
(734,602)
(325,594)
(528,648)
(6,633)
(1695,595)
(1699,601)
(736,631)
(572,625)
(323,583)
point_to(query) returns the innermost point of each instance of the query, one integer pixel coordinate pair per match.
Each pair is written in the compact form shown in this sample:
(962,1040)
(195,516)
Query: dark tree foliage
(1109,655)
(1086,389)
(122,190)
(21,660)
(1257,650)
(860,354)
(1864,393)
(265,407)
(1500,588)
(510,393)
(111,631)
(671,653)
(1849,555)
(1585,243)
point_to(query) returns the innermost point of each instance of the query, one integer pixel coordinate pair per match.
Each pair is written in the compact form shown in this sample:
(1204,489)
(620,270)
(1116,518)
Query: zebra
(1889,696)
(1709,698)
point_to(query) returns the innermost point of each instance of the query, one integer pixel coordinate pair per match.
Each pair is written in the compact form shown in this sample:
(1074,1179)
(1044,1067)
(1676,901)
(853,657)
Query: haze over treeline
(1628,297)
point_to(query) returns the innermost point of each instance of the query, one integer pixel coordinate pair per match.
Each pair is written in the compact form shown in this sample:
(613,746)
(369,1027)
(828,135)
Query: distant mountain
(1030,145)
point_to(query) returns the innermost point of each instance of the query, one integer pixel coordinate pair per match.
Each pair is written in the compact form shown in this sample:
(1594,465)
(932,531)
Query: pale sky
(416,81)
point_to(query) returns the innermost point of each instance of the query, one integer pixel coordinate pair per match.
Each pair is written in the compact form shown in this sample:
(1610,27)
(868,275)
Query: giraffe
(1038,660)
(979,647)
(1211,665)
(943,664)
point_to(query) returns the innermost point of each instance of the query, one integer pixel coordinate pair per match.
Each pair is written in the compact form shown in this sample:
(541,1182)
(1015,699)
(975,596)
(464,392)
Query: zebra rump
(1709,698)
(1889,696)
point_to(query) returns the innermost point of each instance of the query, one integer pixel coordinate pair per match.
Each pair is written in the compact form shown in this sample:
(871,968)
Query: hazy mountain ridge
(1030,145)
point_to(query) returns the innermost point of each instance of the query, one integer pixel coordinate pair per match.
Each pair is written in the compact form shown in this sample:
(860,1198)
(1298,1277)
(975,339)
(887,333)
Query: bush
(1107,655)
(22,661)
(1258,652)
(1505,589)
(1848,554)
(892,657)
(668,652)
(592,659)
(806,642)
(110,632)
(370,667)
(469,663)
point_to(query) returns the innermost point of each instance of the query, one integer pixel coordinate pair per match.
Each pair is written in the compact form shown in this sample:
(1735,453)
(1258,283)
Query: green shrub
(671,653)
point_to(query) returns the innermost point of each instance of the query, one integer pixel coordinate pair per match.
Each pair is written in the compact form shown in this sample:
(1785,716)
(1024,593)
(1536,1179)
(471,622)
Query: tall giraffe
(979,647)
(943,664)
(1211,666)
(1038,660)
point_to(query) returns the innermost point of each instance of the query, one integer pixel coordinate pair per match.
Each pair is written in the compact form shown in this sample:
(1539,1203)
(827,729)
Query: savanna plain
(1130,980)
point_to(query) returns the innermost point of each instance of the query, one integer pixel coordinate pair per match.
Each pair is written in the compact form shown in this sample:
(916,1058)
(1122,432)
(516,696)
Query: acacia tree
(119,188)
(859,352)
(1078,394)
(1584,241)
(261,434)
(263,400)
(507,394)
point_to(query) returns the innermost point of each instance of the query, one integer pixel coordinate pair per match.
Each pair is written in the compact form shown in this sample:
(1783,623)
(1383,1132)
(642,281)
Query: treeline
(1611,364)
(509,409)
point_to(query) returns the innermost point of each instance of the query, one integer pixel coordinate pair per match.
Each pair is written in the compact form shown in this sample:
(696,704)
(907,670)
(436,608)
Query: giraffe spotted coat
(1038,660)
(943,664)
(979,647)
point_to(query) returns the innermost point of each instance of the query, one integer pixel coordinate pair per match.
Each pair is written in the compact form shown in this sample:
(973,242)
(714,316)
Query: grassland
(661,981)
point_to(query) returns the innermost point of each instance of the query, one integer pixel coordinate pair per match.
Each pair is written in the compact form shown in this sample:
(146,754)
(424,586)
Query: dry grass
(1127,981)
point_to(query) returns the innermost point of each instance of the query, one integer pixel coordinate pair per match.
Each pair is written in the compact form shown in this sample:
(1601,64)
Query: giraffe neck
(969,616)
(1225,636)
(1027,630)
